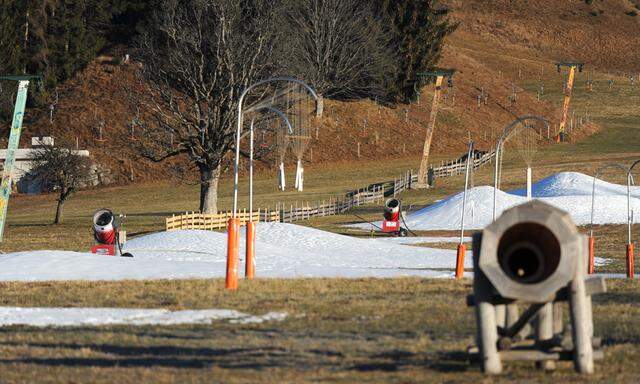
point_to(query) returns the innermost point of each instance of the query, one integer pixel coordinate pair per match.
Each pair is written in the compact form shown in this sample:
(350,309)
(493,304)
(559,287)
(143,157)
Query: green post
(14,140)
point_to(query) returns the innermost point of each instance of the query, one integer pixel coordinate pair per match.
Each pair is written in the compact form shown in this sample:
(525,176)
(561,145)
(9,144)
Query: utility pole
(562,134)
(439,76)
(14,140)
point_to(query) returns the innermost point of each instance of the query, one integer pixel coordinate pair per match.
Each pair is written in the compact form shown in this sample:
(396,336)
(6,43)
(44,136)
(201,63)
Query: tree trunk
(58,219)
(209,189)
(320,106)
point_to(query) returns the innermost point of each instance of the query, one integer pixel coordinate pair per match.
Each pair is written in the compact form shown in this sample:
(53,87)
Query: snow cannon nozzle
(392,209)
(527,258)
(104,227)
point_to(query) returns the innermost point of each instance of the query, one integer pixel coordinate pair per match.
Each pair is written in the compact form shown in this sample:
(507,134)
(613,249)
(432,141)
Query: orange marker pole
(630,267)
(460,261)
(233,228)
(592,256)
(250,264)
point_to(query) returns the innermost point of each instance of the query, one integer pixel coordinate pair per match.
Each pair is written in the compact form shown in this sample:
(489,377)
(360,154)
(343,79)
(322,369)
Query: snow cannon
(106,233)
(104,227)
(392,217)
(392,210)
(533,256)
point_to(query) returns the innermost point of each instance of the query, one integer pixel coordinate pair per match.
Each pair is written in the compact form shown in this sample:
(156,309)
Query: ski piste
(14,140)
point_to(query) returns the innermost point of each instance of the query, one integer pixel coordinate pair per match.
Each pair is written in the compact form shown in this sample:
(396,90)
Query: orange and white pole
(461,247)
(250,264)
(231,281)
(460,261)
(630,261)
(592,257)
(630,256)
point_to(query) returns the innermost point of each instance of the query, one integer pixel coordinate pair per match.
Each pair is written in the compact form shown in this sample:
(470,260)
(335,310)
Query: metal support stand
(501,286)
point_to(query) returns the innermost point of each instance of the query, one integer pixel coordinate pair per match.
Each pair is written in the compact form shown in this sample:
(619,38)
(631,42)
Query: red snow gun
(106,233)
(392,217)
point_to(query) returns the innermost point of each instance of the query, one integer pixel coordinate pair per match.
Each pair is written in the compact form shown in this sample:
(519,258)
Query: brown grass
(361,330)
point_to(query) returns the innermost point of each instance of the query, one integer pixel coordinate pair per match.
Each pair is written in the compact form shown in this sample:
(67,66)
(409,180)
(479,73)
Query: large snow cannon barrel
(528,253)
(392,210)
(104,227)
(531,251)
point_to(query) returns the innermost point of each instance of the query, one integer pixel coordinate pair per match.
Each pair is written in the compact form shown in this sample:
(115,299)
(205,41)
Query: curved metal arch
(240,121)
(509,128)
(277,112)
(499,149)
(633,165)
(275,80)
(599,171)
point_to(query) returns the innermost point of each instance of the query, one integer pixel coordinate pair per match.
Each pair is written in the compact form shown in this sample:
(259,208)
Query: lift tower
(573,66)
(439,76)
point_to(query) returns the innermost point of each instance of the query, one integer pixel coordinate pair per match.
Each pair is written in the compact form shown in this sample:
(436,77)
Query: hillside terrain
(498,47)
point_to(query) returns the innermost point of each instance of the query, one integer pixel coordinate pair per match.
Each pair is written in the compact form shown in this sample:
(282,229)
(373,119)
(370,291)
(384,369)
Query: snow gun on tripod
(106,232)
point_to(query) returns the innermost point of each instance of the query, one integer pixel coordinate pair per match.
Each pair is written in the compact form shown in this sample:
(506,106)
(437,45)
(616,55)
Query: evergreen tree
(419,28)
(57,38)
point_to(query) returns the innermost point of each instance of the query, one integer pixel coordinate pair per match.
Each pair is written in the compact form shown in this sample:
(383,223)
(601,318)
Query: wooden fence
(458,166)
(287,213)
(197,220)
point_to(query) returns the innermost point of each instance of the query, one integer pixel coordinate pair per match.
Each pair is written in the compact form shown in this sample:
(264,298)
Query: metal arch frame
(498,156)
(239,127)
(599,172)
(629,182)
(251,136)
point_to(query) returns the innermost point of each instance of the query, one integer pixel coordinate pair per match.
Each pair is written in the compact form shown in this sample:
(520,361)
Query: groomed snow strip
(67,317)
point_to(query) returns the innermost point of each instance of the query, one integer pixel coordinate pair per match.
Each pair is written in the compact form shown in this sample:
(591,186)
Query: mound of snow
(311,252)
(65,265)
(569,191)
(282,250)
(574,184)
(447,213)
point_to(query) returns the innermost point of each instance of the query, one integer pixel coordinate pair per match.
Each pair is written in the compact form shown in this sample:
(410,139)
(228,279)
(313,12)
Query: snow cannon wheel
(403,232)
(126,254)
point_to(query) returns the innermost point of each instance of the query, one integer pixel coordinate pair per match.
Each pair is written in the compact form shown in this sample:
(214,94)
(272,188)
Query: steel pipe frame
(629,182)
(599,171)
(501,141)
(239,127)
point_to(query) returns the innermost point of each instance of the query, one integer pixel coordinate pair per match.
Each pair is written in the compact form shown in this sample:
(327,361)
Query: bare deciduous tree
(199,57)
(61,170)
(337,46)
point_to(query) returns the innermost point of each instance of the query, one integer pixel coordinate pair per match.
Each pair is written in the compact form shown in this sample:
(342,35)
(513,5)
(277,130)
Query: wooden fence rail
(458,166)
(287,213)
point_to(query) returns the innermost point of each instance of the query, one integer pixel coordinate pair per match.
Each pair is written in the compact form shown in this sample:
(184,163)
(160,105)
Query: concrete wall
(20,172)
